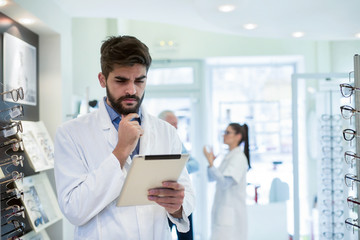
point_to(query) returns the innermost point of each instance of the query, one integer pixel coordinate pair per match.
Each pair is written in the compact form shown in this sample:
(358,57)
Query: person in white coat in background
(94,152)
(229,215)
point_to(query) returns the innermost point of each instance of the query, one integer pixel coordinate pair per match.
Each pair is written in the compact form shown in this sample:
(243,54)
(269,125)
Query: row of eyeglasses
(351,158)
(330,194)
(11,162)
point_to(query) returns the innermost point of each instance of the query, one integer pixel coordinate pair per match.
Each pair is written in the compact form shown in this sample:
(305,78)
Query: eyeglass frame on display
(15,111)
(351,154)
(343,86)
(330,138)
(352,201)
(13,159)
(352,133)
(17,226)
(333,235)
(18,213)
(329,171)
(327,149)
(336,192)
(327,182)
(333,224)
(333,203)
(352,225)
(15,175)
(328,117)
(337,213)
(347,108)
(351,177)
(15,193)
(331,160)
(8,130)
(14,208)
(19,93)
(16,144)
(330,128)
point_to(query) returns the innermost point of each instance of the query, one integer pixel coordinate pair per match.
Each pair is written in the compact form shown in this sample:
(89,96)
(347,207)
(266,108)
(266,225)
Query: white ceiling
(319,19)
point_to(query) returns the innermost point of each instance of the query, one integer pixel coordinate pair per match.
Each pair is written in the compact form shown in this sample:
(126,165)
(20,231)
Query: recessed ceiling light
(26,21)
(357,35)
(250,26)
(298,34)
(3,3)
(226,8)
(162,43)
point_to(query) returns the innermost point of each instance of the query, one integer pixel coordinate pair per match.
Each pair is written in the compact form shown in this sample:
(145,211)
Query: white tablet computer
(149,171)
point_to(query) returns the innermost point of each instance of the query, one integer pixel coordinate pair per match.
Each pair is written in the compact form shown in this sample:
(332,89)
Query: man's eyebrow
(126,79)
(122,78)
(141,77)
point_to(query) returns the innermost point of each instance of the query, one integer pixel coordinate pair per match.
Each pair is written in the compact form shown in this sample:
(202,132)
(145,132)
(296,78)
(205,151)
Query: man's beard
(118,107)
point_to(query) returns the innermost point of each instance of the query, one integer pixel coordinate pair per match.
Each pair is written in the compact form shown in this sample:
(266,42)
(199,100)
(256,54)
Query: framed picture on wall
(19,61)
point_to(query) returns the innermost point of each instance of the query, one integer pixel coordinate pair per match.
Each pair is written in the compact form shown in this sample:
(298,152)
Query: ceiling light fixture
(226,8)
(250,26)
(298,34)
(3,3)
(26,21)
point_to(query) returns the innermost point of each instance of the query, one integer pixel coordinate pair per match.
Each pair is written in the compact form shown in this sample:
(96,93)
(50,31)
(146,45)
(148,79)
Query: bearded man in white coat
(93,154)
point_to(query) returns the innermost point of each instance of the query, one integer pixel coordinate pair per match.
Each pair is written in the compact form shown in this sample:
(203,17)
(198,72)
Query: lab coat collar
(106,125)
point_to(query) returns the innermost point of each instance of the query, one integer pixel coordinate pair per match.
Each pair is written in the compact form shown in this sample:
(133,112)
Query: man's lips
(129,100)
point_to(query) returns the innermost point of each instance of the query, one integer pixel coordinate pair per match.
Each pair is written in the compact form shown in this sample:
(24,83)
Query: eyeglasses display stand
(28,201)
(13,167)
(318,168)
(357,125)
(352,178)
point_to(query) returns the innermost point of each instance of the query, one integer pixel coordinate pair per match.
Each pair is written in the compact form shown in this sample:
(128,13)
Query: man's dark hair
(123,51)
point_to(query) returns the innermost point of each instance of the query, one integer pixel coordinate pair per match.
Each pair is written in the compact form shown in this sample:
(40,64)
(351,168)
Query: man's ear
(102,80)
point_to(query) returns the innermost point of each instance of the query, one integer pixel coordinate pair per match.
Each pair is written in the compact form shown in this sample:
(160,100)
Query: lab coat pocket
(225,216)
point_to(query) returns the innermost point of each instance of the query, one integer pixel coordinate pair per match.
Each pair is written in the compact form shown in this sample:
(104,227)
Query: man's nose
(131,89)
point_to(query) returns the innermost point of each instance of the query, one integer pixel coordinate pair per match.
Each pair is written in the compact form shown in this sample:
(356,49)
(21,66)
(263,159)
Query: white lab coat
(229,214)
(89,179)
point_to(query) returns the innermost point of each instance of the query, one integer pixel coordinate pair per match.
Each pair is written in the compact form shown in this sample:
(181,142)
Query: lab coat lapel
(147,139)
(108,129)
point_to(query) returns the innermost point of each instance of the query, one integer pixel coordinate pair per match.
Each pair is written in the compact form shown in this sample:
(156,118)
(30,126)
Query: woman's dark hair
(244,131)
(123,51)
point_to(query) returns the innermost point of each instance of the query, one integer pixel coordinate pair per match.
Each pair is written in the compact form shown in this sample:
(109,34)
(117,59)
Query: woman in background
(229,216)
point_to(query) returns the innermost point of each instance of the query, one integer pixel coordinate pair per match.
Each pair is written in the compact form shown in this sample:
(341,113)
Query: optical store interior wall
(68,64)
